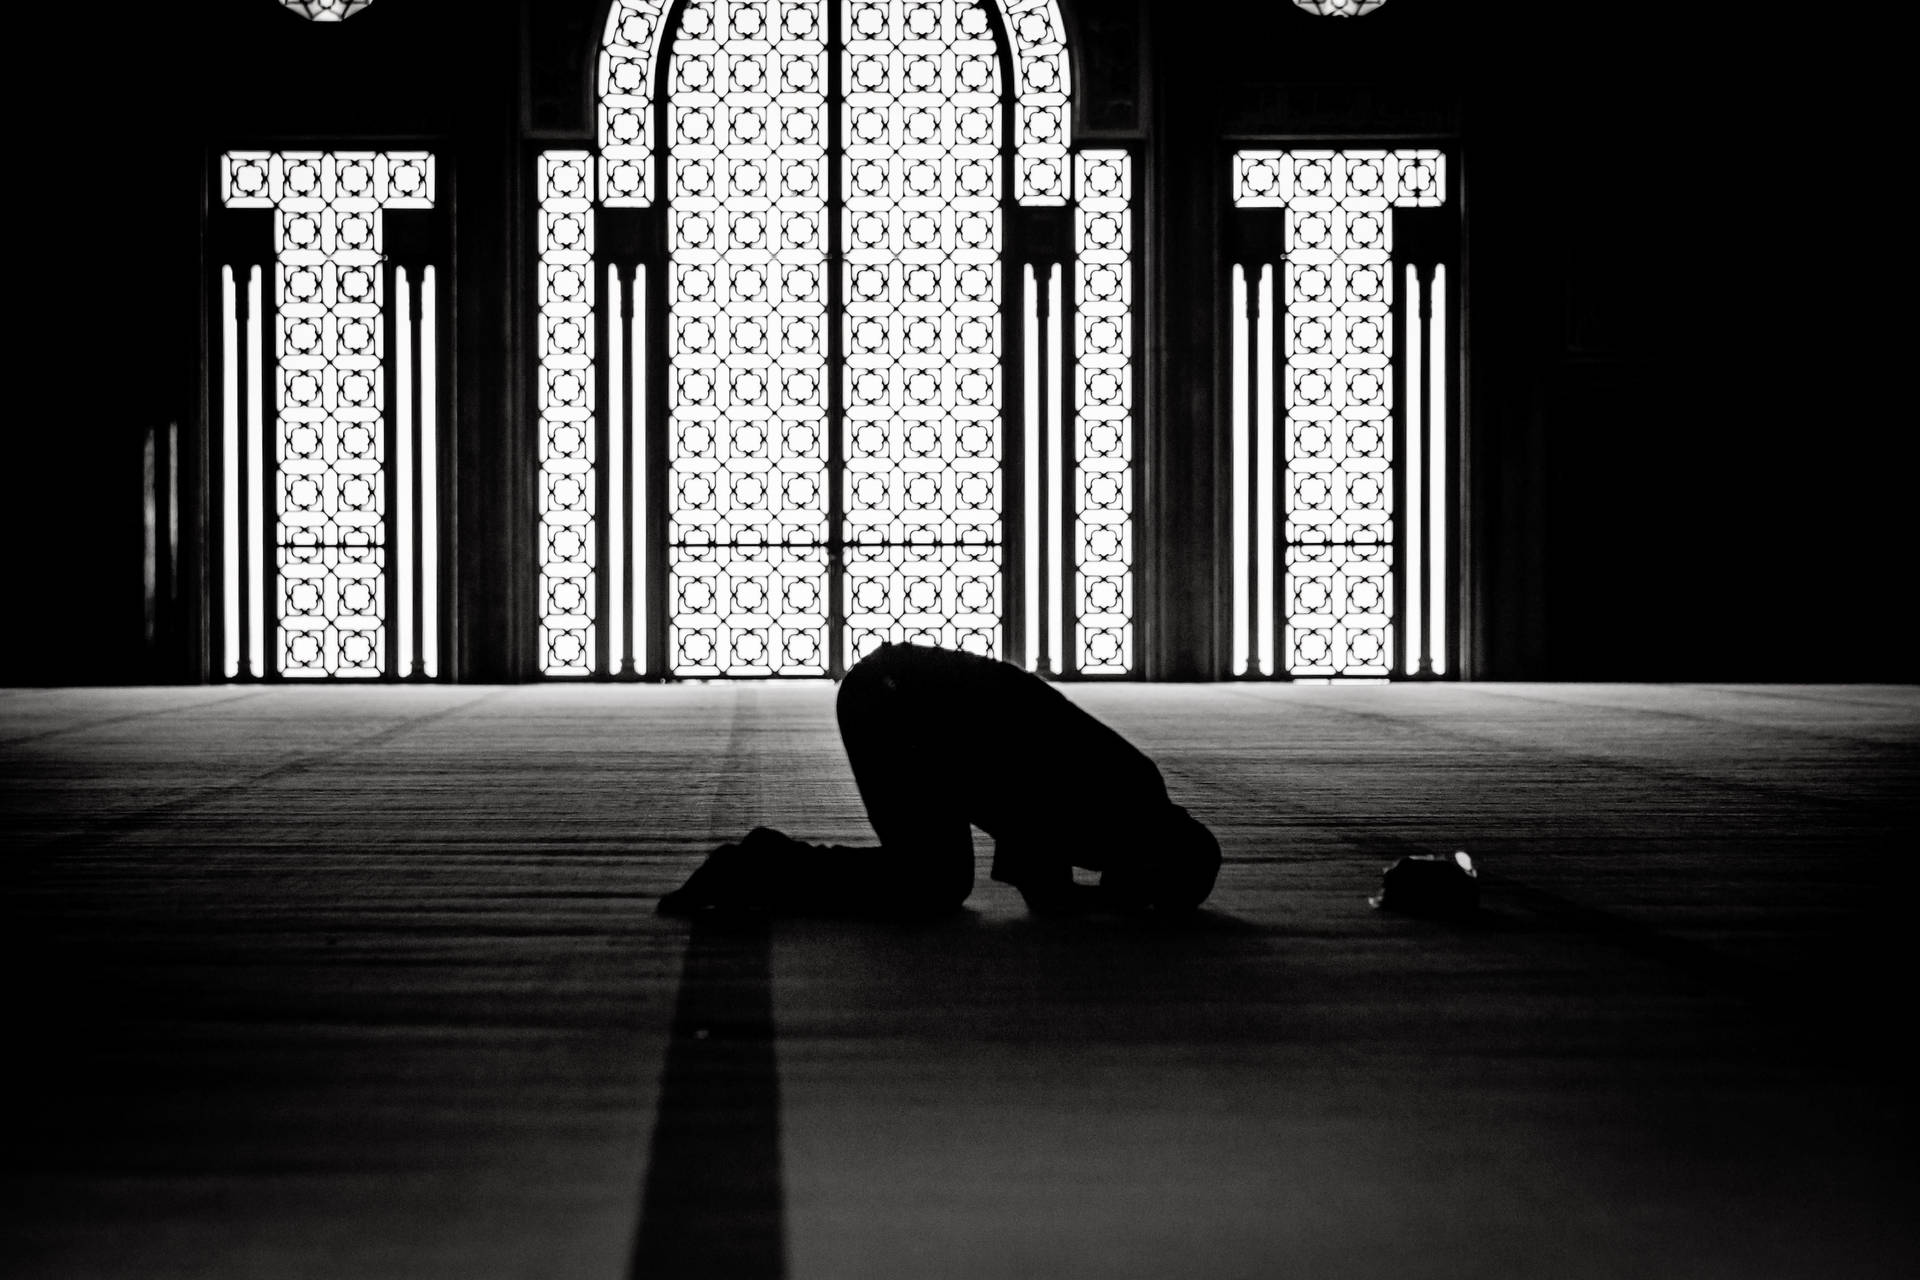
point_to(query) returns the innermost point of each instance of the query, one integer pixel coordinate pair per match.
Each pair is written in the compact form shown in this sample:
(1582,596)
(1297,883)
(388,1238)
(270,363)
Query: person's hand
(734,877)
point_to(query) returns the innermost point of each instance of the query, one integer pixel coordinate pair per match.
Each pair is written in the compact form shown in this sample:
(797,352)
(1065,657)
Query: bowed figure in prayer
(940,742)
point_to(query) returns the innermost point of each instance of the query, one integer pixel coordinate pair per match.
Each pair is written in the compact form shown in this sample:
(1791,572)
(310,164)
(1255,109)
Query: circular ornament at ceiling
(326,10)
(1340,8)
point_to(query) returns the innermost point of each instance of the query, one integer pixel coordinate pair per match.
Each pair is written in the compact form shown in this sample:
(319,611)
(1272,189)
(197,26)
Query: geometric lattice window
(798,462)
(1103,396)
(328,395)
(921,327)
(565,406)
(1339,422)
(747,328)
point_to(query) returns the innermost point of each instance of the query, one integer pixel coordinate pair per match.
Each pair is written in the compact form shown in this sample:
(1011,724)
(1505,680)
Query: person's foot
(1056,898)
(735,877)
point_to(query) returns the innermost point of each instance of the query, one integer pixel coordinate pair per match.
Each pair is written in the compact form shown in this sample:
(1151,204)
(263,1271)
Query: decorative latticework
(835,468)
(565,405)
(747,307)
(1103,410)
(921,325)
(331,533)
(1336,299)
(636,32)
(628,54)
(1043,99)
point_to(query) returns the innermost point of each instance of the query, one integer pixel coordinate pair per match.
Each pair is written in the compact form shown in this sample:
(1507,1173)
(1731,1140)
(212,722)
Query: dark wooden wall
(1685,460)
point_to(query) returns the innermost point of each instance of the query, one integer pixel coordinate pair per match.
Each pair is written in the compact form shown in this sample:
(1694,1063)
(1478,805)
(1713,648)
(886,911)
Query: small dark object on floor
(1430,884)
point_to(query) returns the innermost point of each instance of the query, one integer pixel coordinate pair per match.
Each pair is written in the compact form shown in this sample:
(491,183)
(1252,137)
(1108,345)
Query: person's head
(1169,866)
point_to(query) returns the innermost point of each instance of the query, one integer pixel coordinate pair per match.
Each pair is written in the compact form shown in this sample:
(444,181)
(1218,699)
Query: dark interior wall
(1681,240)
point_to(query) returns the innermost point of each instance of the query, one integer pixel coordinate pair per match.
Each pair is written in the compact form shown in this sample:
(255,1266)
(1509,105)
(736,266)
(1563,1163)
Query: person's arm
(770,871)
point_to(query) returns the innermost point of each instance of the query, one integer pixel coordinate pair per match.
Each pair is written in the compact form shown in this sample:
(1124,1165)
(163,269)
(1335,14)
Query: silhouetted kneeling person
(942,741)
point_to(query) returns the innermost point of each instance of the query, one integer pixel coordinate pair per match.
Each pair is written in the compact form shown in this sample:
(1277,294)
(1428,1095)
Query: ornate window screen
(1323,589)
(565,407)
(832,467)
(628,54)
(350,466)
(747,322)
(1103,408)
(922,326)
(1043,99)
(636,30)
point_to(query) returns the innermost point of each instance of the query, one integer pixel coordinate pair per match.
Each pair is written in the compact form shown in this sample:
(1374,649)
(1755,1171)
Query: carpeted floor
(366,983)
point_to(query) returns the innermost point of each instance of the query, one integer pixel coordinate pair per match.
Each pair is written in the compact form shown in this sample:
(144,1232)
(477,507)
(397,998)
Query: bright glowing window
(1339,404)
(834,453)
(327,423)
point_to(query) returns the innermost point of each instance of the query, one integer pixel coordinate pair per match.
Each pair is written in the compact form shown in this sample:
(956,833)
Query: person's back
(941,741)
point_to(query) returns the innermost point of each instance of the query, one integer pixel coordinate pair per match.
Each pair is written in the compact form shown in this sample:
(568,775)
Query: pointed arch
(630,49)
(750,472)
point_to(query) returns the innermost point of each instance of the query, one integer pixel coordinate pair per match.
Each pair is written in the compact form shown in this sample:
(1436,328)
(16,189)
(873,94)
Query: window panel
(913,462)
(565,405)
(1337,299)
(747,316)
(921,326)
(331,538)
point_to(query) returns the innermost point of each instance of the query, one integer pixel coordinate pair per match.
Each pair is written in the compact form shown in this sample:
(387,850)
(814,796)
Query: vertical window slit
(1267,468)
(637,465)
(256,509)
(429,347)
(1415,485)
(1030,408)
(403,376)
(1240,655)
(229,475)
(1437,469)
(616,470)
(1056,472)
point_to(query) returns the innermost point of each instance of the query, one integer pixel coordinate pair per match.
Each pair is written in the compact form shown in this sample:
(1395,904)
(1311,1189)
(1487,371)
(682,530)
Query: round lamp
(1340,8)
(326,10)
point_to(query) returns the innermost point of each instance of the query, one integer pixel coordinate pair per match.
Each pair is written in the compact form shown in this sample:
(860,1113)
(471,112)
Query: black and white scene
(959,640)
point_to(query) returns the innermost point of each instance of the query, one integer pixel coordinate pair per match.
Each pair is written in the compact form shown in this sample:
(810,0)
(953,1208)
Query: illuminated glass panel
(1103,411)
(747,317)
(331,535)
(750,498)
(430,470)
(922,227)
(628,53)
(1336,437)
(1043,99)
(565,403)
(1436,338)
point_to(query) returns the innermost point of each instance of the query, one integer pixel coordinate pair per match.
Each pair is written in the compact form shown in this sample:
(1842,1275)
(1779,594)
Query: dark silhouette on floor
(942,741)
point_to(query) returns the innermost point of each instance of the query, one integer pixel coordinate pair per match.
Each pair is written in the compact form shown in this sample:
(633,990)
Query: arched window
(813,379)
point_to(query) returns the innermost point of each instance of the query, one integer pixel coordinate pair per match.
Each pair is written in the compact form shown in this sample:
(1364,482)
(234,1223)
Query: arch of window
(752,464)
(630,55)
